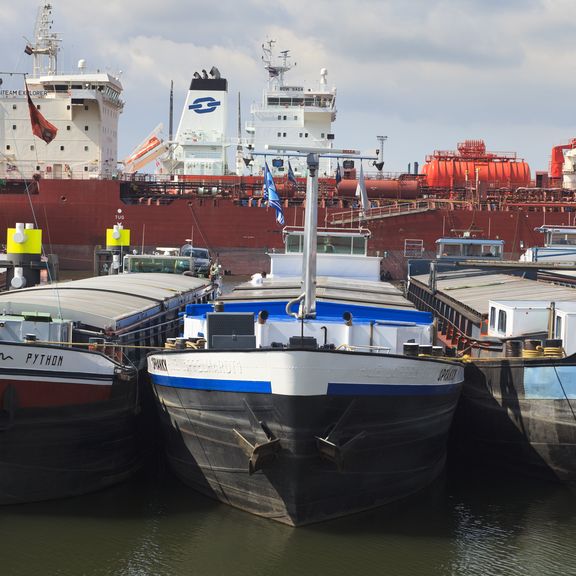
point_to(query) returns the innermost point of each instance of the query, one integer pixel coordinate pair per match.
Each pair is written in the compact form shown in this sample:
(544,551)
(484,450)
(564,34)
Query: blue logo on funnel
(204,105)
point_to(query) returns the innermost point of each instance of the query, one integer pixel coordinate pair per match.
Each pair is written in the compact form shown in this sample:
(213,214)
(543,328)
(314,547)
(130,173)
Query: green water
(476,524)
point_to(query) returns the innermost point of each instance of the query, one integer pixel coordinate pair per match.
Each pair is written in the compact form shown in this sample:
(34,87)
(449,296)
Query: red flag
(40,126)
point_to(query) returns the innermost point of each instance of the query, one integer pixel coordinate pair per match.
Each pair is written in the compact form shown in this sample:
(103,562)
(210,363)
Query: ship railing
(365,348)
(356,214)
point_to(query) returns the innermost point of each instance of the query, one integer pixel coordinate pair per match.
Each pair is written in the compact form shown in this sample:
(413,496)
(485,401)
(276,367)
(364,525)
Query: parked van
(201,258)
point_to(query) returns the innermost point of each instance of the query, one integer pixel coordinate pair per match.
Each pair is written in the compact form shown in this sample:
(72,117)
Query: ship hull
(70,423)
(74,216)
(520,413)
(304,457)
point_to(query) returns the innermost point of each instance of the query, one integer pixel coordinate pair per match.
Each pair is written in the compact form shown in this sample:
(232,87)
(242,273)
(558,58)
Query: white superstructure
(290,115)
(84,106)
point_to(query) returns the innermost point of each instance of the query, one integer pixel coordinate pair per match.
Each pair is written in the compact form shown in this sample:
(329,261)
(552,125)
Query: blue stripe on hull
(258,386)
(391,389)
(265,387)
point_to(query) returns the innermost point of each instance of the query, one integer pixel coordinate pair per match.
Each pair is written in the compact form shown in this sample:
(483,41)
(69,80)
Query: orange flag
(40,126)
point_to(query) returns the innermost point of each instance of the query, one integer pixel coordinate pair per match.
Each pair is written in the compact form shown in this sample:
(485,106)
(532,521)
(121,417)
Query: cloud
(424,72)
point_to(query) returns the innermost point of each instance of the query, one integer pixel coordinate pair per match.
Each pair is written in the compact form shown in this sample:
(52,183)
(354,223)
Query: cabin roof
(328,288)
(476,289)
(102,302)
(474,241)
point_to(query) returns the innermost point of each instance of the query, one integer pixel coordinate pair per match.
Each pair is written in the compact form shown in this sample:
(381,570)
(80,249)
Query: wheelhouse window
(501,321)
(558,327)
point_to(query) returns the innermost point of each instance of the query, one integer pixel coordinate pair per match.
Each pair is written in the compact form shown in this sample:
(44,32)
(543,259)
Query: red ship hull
(74,216)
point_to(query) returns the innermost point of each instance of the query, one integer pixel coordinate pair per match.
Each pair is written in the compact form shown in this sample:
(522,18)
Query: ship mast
(307,299)
(46,43)
(275,70)
(239,147)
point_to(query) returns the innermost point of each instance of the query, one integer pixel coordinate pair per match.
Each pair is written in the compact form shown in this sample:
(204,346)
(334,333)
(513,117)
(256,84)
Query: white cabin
(466,248)
(520,318)
(565,325)
(340,253)
(515,318)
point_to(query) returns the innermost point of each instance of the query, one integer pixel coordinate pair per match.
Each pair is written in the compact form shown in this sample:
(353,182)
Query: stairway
(356,215)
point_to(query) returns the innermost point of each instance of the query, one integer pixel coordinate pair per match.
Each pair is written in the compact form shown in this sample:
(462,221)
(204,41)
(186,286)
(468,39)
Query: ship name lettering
(447,374)
(20,93)
(44,359)
(159,364)
(213,367)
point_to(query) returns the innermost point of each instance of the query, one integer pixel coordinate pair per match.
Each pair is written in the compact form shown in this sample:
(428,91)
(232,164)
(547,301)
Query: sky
(425,73)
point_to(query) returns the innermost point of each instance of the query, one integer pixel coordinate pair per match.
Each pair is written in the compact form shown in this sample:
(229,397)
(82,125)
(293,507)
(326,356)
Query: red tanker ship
(71,187)
(228,215)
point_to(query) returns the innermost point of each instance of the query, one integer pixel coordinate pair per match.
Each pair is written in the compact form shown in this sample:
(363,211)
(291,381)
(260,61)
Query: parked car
(201,258)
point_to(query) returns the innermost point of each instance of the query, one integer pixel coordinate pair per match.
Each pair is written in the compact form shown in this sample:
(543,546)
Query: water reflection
(477,522)
(473,524)
(508,524)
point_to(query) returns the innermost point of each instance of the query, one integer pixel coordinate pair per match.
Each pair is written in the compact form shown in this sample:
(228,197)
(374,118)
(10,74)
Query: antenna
(239,121)
(239,154)
(380,152)
(45,45)
(171,121)
(275,71)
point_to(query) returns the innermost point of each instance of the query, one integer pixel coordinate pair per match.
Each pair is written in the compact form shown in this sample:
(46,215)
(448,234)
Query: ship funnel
(82,65)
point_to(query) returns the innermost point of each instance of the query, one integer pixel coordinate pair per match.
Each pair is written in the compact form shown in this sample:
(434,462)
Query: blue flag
(338,175)
(291,176)
(271,195)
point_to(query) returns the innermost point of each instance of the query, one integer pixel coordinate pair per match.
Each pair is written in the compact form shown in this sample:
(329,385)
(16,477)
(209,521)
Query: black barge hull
(60,451)
(521,413)
(313,457)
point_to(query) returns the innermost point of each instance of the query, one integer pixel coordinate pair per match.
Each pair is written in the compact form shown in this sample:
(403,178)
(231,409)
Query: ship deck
(474,289)
(105,302)
(328,288)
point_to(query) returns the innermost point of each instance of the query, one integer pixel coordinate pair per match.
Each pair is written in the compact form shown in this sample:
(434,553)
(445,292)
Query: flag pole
(309,257)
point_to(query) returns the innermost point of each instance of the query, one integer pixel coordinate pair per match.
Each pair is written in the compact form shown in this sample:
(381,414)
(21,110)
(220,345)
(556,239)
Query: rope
(553,352)
(198,344)
(29,198)
(536,353)
(95,345)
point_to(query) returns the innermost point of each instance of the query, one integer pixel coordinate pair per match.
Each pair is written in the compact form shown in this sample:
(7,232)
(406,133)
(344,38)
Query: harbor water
(475,520)
(468,523)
